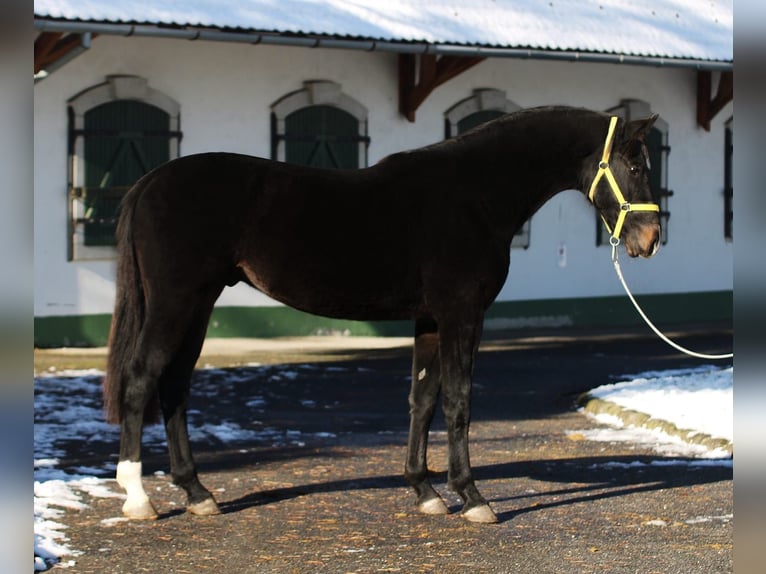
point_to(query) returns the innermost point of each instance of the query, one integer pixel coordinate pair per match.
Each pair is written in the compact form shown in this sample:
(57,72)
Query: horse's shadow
(597,478)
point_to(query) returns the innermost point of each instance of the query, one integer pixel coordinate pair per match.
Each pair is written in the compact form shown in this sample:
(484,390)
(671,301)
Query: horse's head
(618,186)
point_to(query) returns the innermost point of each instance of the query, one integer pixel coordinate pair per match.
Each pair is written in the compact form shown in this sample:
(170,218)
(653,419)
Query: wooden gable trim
(708,108)
(52,47)
(421,74)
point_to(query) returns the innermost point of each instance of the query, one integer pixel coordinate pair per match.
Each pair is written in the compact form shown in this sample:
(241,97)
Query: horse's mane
(490,130)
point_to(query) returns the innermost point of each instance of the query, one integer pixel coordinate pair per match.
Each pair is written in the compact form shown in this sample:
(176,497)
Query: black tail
(128,317)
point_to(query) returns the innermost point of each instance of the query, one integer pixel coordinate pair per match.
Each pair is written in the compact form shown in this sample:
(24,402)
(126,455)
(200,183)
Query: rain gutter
(277,39)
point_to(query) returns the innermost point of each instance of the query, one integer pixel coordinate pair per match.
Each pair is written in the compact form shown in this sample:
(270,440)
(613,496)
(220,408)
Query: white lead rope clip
(659,333)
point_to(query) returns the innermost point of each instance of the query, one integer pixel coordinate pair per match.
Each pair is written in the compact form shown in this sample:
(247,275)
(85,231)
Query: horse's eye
(635,169)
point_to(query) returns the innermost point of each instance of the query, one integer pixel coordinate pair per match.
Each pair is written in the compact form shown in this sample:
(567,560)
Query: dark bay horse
(422,235)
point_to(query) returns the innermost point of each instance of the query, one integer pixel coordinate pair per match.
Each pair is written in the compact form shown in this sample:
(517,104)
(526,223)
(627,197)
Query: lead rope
(651,325)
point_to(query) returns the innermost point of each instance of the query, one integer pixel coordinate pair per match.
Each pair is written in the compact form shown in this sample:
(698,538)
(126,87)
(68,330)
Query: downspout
(143,30)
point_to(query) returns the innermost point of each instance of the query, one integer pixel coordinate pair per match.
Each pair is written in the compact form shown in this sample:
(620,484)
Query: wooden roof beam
(708,108)
(421,74)
(57,47)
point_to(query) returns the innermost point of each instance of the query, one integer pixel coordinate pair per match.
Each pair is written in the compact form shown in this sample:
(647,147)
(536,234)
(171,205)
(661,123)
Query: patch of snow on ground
(699,399)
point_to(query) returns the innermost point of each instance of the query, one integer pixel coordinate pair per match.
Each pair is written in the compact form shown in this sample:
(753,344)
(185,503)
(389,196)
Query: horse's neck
(526,166)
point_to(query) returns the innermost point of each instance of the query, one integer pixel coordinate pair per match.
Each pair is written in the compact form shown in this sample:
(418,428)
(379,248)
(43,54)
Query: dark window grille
(122,140)
(658,152)
(728,186)
(321,136)
(477,118)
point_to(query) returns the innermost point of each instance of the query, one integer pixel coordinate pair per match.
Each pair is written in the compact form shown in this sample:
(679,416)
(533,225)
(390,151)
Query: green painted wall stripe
(266,322)
(72,331)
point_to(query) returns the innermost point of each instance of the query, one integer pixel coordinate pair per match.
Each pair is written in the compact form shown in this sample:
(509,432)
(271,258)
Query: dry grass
(237,352)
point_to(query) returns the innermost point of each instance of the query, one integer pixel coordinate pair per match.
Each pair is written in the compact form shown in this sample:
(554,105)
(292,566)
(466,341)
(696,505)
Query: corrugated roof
(678,29)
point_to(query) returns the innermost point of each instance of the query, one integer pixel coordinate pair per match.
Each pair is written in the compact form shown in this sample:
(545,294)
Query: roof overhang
(60,41)
(370,45)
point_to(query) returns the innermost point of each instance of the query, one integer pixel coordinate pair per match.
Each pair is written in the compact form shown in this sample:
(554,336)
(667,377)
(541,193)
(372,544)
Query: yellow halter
(605,170)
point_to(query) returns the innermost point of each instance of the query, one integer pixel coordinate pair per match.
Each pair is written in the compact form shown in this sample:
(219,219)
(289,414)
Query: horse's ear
(638,129)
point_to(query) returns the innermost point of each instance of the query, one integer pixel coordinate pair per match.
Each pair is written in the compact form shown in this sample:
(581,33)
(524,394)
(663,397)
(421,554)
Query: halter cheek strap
(605,171)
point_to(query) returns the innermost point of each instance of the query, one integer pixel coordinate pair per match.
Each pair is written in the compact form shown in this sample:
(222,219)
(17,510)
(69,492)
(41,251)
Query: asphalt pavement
(337,502)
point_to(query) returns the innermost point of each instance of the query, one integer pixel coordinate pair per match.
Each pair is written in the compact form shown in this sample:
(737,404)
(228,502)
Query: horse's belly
(342,293)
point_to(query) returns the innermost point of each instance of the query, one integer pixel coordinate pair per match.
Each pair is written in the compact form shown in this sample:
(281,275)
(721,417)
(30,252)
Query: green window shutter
(123,140)
(655,144)
(477,118)
(322,136)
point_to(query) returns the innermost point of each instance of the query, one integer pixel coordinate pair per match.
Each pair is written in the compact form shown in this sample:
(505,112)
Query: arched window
(484,105)
(119,130)
(320,126)
(657,145)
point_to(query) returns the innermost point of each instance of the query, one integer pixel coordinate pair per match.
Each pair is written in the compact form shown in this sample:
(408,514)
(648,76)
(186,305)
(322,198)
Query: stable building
(121,88)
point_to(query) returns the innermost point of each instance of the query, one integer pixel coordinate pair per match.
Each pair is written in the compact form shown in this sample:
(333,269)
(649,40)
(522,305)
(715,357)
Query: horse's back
(333,242)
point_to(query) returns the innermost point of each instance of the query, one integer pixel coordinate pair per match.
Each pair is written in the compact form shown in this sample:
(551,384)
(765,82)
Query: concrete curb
(629,417)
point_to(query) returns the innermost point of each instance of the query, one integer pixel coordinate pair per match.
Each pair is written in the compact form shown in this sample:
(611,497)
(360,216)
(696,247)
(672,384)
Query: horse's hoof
(143,510)
(482,514)
(433,506)
(207,507)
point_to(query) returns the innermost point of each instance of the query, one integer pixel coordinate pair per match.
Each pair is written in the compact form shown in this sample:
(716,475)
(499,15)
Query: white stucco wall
(225,91)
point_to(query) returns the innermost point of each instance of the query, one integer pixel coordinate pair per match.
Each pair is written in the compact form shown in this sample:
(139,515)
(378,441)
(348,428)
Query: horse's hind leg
(143,373)
(161,336)
(423,396)
(174,396)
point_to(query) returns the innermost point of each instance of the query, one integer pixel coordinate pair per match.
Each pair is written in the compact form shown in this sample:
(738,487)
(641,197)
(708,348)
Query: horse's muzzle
(645,242)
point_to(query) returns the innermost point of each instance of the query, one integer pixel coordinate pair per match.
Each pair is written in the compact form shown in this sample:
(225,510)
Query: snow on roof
(683,29)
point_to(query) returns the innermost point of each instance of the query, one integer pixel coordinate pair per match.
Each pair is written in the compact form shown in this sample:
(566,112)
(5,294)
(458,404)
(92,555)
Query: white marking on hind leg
(137,506)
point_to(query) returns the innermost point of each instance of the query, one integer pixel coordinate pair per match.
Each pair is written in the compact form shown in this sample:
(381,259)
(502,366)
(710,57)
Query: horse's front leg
(459,343)
(423,396)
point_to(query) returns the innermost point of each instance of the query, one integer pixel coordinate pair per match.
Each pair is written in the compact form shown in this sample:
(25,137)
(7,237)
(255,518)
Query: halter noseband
(605,170)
